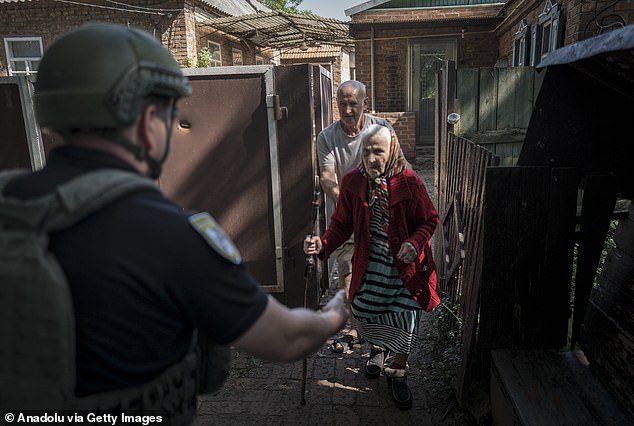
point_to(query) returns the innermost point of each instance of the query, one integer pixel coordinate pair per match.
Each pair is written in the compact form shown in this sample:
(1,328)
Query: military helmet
(96,77)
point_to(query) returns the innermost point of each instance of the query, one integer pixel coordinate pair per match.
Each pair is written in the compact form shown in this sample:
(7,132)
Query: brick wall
(577,19)
(49,19)
(417,14)
(390,60)
(404,124)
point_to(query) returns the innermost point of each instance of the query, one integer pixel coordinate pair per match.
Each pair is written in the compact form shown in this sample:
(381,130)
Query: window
(23,54)
(237,57)
(216,54)
(520,45)
(546,35)
(259,60)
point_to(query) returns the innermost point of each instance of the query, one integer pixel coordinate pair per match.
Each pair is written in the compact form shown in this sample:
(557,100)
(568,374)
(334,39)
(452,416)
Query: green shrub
(204,58)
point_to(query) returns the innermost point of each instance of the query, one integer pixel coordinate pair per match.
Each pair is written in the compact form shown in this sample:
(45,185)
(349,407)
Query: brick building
(401,44)
(28,26)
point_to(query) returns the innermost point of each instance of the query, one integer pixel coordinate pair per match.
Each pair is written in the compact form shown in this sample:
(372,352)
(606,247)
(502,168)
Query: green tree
(283,5)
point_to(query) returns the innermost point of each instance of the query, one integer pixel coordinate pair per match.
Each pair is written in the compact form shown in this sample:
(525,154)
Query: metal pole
(308,274)
(372,82)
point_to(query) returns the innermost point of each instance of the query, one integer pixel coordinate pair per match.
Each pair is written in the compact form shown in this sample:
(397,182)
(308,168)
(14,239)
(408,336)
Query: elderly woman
(386,205)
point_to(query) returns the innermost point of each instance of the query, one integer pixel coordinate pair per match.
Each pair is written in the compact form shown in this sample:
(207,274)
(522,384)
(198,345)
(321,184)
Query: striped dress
(388,315)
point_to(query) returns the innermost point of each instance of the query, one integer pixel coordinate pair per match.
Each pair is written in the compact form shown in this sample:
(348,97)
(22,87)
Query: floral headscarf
(377,187)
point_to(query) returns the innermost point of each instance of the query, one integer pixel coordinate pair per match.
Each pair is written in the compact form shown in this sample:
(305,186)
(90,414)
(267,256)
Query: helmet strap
(140,153)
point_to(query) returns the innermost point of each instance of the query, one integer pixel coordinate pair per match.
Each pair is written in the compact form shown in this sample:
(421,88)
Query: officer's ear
(150,126)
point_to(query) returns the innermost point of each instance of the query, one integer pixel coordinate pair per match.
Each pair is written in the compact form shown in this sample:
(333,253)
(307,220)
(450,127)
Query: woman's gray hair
(374,130)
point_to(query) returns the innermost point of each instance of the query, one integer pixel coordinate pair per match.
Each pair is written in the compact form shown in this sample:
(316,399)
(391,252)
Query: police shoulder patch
(211,231)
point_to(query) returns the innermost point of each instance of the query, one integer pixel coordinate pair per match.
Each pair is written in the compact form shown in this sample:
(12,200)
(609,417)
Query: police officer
(143,274)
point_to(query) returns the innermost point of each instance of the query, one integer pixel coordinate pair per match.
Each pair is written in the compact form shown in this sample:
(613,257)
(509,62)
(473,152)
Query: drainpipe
(372,65)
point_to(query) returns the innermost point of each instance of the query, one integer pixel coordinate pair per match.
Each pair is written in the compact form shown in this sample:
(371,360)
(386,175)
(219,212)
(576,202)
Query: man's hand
(406,254)
(312,245)
(337,311)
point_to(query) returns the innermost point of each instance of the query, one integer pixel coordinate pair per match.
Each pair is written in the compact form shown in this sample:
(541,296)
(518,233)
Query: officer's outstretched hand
(312,245)
(337,311)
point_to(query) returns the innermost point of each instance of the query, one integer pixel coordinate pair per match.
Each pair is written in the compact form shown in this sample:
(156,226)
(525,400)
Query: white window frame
(544,42)
(27,60)
(237,53)
(215,62)
(521,45)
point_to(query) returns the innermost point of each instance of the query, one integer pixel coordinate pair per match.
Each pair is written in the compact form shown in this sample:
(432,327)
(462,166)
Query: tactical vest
(37,323)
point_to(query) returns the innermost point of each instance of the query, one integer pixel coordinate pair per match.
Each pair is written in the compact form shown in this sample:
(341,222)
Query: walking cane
(308,273)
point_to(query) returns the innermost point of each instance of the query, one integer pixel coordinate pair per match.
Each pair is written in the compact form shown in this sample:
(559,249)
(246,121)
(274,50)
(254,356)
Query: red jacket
(412,218)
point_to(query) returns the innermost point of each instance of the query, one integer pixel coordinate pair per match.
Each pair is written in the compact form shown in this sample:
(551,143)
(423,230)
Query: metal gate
(243,150)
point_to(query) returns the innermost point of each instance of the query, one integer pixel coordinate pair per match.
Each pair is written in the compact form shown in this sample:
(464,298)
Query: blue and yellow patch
(209,229)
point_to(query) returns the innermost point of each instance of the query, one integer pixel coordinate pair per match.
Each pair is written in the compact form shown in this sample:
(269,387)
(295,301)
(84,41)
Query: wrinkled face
(351,104)
(376,151)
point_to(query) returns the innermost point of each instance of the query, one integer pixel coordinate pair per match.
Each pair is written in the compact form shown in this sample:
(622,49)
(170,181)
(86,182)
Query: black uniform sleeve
(222,299)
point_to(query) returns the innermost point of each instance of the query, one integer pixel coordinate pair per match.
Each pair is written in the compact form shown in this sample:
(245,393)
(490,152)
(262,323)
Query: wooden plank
(614,292)
(488,99)
(505,152)
(515,97)
(467,102)
(596,212)
(534,190)
(471,300)
(500,253)
(604,404)
(558,254)
(548,388)
(610,349)
(497,136)
(538,80)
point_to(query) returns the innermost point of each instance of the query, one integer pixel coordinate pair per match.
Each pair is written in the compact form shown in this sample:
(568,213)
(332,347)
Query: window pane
(237,57)
(25,49)
(18,66)
(214,49)
(546,39)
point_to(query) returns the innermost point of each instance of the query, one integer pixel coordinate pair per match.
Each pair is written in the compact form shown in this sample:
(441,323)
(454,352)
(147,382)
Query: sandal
(344,343)
(397,382)
(374,365)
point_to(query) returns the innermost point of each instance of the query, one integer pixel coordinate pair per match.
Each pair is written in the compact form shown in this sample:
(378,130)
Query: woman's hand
(312,245)
(406,254)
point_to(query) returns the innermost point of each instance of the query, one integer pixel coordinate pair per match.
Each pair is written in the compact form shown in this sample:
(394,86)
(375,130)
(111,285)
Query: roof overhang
(581,113)
(483,21)
(279,30)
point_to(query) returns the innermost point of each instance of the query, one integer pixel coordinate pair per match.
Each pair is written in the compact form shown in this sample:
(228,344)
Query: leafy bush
(204,58)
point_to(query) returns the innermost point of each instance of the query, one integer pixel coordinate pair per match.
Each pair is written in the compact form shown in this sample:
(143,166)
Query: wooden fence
(460,201)
(495,106)
(467,183)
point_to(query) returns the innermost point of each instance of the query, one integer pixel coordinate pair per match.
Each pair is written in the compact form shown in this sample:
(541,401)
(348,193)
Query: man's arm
(284,334)
(329,183)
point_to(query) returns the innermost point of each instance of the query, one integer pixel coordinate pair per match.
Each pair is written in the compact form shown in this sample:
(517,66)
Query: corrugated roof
(282,30)
(312,52)
(237,7)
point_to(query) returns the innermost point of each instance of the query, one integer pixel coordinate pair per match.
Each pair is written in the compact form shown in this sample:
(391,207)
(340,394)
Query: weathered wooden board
(488,99)
(549,388)
(515,97)
(467,102)
(525,208)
